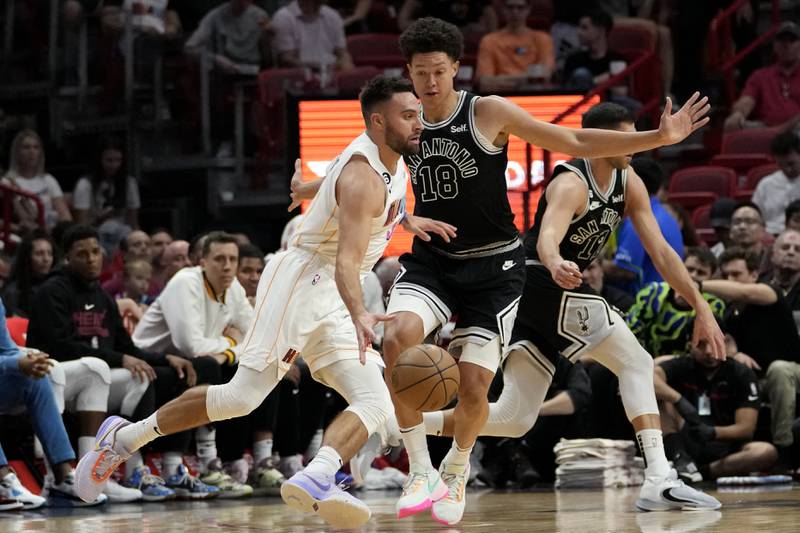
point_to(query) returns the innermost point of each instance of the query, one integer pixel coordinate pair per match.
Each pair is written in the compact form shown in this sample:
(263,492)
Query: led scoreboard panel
(326,127)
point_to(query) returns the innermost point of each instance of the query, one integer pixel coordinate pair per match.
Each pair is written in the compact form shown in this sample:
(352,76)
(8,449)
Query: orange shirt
(504,53)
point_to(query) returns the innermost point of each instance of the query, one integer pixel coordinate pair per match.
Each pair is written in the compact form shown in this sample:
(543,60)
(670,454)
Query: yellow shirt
(503,53)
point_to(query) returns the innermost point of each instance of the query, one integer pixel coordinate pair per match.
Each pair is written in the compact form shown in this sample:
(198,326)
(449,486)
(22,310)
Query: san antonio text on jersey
(589,232)
(459,178)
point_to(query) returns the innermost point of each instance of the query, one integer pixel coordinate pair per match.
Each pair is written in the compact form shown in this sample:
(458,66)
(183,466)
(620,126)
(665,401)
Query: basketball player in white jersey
(300,311)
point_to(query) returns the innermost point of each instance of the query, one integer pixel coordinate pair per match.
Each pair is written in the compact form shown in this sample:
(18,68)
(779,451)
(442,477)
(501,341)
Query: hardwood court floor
(487,511)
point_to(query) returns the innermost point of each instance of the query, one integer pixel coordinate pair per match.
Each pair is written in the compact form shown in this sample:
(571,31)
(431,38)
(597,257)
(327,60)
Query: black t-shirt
(596,66)
(733,386)
(765,332)
(573,379)
(617,297)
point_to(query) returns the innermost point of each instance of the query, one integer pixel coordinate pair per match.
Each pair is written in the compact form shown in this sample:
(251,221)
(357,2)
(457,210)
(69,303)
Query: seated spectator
(720,219)
(174,258)
(631,268)
(31,267)
(564,30)
(748,233)
(661,319)
(108,198)
(792,215)
(591,66)
(771,96)
(203,311)
(136,282)
(159,239)
(136,245)
(510,56)
(709,412)
(310,34)
(595,278)
(251,265)
(196,249)
(759,322)
(26,172)
(79,325)
(234,33)
(777,190)
(354,14)
(5,269)
(472,17)
(21,374)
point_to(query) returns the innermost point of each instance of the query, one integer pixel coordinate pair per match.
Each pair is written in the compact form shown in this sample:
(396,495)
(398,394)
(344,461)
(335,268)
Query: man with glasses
(748,232)
(510,55)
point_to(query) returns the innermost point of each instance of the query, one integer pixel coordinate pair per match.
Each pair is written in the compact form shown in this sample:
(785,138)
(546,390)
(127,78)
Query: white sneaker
(670,493)
(118,494)
(66,495)
(14,489)
(450,509)
(362,460)
(420,491)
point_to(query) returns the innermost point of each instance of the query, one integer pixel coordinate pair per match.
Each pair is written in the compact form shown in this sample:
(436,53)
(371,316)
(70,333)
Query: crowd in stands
(99,316)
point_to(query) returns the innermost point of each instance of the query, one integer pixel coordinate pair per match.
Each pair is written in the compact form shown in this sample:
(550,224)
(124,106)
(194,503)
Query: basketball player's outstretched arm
(566,197)
(302,190)
(497,116)
(670,265)
(360,193)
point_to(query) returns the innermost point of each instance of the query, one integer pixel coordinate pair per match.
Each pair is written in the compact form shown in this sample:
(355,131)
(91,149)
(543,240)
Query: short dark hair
(380,89)
(600,18)
(78,233)
(430,34)
(651,173)
(703,255)
(785,143)
(250,250)
(734,253)
(751,205)
(218,237)
(792,208)
(606,116)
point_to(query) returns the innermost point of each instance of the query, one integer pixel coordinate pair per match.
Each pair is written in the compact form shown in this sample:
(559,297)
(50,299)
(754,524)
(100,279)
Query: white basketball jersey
(319,231)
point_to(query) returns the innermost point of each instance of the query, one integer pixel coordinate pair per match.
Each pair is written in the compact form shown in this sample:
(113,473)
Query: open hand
(184,368)
(422,227)
(139,368)
(365,324)
(706,330)
(675,128)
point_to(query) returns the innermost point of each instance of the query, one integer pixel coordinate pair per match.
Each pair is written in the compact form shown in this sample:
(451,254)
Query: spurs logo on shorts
(315,279)
(583,319)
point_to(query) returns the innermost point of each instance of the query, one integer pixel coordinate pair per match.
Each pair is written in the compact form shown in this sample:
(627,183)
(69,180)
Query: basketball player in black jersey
(560,315)
(478,275)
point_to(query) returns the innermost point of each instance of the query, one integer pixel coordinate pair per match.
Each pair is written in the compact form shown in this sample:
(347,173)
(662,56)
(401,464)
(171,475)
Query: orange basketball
(425,378)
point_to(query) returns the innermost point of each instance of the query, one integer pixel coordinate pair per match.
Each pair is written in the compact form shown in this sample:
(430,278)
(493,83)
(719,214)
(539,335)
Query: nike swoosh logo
(752,398)
(507,266)
(88,307)
(319,485)
(667,495)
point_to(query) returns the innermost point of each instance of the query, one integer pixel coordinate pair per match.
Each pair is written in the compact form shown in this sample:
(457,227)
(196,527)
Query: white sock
(262,450)
(206,440)
(652,445)
(132,437)
(170,461)
(416,443)
(327,462)
(134,461)
(85,445)
(434,423)
(457,458)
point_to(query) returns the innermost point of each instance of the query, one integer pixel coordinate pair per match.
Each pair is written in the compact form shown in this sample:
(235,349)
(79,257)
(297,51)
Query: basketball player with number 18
(458,177)
(309,302)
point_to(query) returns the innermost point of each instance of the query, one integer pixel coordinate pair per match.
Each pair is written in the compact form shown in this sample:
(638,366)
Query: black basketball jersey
(460,180)
(588,232)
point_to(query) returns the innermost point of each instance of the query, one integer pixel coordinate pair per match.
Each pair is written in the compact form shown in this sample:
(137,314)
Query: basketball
(425,378)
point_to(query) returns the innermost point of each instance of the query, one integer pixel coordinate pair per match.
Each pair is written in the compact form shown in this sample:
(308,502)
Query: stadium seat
(379,50)
(350,81)
(701,219)
(18,329)
(745,149)
(751,180)
(630,35)
(696,186)
(269,111)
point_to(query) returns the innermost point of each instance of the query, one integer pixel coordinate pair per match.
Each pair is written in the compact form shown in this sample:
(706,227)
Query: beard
(400,144)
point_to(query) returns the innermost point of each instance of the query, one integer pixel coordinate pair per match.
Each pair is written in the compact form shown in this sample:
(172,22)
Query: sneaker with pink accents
(420,491)
(96,467)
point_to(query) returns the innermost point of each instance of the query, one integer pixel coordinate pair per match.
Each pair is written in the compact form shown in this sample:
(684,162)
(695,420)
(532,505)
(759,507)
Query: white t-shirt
(316,40)
(85,197)
(772,195)
(147,13)
(46,187)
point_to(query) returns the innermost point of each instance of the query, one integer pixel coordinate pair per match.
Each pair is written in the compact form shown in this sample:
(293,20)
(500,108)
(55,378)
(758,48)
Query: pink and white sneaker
(420,491)
(96,467)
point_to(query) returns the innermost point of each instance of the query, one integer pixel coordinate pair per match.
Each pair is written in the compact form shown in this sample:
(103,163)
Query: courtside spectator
(776,191)
(27,172)
(33,263)
(595,278)
(792,215)
(748,232)
(251,265)
(720,219)
(511,55)
(771,96)
(591,66)
(159,239)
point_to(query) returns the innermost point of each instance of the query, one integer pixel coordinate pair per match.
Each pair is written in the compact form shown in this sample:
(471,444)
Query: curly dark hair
(430,34)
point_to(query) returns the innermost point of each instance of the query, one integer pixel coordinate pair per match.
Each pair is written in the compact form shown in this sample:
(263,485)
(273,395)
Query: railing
(720,39)
(7,194)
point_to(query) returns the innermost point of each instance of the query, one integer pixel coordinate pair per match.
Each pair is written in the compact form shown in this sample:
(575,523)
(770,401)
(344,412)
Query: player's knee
(780,372)
(232,400)
(373,410)
(98,369)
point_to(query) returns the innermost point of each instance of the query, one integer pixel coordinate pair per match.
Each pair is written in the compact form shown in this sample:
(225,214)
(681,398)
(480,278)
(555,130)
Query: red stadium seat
(351,81)
(630,35)
(269,111)
(701,219)
(751,181)
(696,186)
(749,141)
(18,329)
(379,50)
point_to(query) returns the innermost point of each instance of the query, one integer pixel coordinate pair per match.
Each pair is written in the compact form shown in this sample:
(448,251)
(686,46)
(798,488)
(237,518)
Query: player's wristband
(230,340)
(230,356)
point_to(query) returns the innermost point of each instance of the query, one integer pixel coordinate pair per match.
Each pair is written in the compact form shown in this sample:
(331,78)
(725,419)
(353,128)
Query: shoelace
(107,461)
(151,479)
(454,485)
(414,481)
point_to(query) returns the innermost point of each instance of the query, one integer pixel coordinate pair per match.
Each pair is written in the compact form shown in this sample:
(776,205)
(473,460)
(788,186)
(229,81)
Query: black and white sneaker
(687,470)
(671,494)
